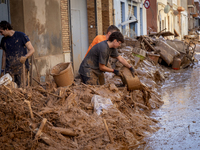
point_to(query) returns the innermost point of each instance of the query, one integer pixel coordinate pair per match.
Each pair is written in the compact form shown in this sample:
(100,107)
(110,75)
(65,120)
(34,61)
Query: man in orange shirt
(100,38)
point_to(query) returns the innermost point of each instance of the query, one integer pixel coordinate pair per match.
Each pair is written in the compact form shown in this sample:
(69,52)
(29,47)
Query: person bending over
(95,63)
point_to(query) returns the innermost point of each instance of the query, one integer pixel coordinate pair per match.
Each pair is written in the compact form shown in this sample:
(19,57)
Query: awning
(127,22)
(198,17)
(168,33)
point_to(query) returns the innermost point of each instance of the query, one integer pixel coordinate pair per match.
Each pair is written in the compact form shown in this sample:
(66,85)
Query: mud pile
(72,122)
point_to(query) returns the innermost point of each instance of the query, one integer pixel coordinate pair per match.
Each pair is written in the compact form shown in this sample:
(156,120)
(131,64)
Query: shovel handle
(24,80)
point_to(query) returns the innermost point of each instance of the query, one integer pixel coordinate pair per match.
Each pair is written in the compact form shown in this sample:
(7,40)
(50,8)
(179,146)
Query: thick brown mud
(72,119)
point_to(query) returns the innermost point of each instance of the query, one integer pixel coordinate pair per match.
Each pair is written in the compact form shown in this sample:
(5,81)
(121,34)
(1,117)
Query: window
(130,10)
(174,2)
(123,13)
(163,24)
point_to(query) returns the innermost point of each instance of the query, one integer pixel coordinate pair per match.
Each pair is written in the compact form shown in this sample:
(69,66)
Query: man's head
(111,29)
(116,38)
(5,27)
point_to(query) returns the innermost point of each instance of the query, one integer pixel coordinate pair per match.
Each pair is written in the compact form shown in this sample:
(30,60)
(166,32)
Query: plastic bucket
(176,64)
(154,57)
(63,74)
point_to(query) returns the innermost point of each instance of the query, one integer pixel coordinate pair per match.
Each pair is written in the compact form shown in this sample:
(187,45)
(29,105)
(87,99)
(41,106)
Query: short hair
(5,25)
(112,28)
(116,35)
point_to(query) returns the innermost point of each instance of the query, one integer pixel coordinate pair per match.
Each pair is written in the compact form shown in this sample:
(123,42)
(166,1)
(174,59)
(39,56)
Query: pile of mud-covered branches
(64,118)
(50,117)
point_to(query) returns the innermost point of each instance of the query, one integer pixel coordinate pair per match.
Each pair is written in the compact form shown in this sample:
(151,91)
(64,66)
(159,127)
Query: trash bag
(100,103)
(6,79)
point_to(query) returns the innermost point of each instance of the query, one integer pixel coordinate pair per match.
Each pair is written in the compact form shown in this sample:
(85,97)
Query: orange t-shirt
(97,39)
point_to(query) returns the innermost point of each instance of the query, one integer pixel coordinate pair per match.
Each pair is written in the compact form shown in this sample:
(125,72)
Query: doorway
(79,28)
(4,15)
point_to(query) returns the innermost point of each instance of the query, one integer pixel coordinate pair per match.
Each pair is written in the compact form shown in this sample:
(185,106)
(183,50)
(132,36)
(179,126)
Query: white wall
(144,19)
(184,23)
(162,1)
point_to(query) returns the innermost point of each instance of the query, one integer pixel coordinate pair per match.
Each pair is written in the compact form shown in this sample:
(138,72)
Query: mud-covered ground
(179,116)
(72,121)
(134,120)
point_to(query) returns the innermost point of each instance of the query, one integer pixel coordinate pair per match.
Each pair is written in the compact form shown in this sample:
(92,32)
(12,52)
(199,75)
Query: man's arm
(106,69)
(102,67)
(123,61)
(31,50)
(3,65)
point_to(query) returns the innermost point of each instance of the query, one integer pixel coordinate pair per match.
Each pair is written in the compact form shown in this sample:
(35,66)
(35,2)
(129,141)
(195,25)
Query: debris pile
(64,118)
(193,35)
(161,50)
(50,117)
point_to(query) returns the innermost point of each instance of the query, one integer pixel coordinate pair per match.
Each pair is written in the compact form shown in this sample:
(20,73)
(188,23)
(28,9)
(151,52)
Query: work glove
(23,59)
(2,72)
(116,72)
(132,71)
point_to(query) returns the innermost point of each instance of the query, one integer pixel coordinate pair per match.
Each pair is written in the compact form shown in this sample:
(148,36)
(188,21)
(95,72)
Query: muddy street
(179,115)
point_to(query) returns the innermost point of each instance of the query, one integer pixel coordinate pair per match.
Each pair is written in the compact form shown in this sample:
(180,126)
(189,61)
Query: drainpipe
(113,12)
(95,10)
(8,5)
(160,18)
(70,30)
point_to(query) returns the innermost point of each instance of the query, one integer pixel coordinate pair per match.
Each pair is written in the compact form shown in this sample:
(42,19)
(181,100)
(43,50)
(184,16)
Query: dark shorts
(18,76)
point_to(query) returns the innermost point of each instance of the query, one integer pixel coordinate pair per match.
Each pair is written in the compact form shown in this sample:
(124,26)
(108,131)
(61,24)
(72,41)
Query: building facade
(168,15)
(60,30)
(130,17)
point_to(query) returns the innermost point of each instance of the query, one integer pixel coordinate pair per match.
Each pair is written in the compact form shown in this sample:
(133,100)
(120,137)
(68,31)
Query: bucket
(153,57)
(63,74)
(176,64)
(133,83)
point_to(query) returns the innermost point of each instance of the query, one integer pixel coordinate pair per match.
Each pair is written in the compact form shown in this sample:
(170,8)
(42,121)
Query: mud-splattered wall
(17,15)
(42,23)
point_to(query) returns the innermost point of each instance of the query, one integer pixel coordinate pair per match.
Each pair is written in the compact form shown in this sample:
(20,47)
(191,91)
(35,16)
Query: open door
(4,15)
(79,27)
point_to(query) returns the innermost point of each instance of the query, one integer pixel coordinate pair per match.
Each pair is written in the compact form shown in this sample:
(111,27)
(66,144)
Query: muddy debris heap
(50,117)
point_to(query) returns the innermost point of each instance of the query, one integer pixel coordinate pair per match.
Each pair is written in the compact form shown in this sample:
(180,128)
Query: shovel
(24,80)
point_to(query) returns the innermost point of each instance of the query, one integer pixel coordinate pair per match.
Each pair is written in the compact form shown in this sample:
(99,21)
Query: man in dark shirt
(95,63)
(14,45)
